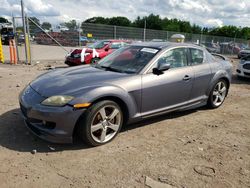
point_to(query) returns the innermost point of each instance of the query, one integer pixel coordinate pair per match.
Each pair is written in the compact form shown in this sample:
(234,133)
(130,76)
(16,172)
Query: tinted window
(197,56)
(176,58)
(99,44)
(115,45)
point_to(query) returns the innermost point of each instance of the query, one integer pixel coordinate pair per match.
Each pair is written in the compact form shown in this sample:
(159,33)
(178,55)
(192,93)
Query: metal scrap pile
(65,38)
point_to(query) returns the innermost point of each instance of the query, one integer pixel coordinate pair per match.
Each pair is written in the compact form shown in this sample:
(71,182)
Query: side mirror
(156,71)
(161,67)
(107,49)
(164,67)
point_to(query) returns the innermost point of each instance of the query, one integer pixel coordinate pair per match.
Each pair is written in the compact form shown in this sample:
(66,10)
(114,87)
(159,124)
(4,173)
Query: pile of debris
(65,38)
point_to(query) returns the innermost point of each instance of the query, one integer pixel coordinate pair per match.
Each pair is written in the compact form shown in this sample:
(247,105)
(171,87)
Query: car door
(202,74)
(170,89)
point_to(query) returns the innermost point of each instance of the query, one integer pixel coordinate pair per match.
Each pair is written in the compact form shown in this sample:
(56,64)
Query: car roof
(115,40)
(162,45)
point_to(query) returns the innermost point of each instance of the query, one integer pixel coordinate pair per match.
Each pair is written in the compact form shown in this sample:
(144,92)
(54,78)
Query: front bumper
(240,71)
(53,124)
(73,61)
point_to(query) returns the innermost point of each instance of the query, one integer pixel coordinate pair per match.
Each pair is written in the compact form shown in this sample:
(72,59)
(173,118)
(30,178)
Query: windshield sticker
(149,50)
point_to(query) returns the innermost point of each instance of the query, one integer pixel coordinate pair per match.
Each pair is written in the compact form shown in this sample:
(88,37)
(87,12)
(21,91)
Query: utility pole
(15,37)
(144,31)
(25,32)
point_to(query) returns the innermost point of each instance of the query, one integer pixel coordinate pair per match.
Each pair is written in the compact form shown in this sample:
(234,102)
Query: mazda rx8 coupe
(135,82)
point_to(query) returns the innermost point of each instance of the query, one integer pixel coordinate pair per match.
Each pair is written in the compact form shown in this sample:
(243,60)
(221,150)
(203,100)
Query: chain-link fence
(54,42)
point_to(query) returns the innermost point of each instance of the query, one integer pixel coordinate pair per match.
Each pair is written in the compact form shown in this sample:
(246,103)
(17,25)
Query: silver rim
(219,93)
(106,123)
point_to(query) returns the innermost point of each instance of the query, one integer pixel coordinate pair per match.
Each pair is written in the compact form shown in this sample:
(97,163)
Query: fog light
(49,124)
(238,71)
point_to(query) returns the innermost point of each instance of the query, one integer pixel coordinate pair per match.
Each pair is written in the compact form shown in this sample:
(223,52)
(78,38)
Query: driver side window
(175,58)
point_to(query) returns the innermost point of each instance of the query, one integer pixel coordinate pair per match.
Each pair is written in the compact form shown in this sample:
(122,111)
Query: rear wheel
(101,123)
(218,94)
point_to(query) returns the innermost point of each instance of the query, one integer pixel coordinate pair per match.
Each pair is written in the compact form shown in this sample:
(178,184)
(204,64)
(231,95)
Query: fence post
(114,31)
(15,38)
(1,51)
(25,31)
(28,40)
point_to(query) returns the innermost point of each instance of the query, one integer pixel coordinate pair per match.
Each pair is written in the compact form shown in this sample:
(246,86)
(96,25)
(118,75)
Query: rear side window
(116,45)
(197,56)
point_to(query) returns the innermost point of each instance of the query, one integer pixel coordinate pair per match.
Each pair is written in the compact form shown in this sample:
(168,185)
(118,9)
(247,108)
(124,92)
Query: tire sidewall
(85,123)
(210,103)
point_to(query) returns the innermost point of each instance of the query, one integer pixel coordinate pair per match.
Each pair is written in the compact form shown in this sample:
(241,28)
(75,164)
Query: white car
(243,69)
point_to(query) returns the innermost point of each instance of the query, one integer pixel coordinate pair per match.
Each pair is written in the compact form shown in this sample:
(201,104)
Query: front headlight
(59,100)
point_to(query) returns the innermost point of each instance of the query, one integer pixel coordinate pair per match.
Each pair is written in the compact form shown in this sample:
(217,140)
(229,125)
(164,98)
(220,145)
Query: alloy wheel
(219,93)
(106,123)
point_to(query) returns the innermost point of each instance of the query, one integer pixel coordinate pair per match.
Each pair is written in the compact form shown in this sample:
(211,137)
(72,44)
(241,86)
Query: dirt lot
(197,148)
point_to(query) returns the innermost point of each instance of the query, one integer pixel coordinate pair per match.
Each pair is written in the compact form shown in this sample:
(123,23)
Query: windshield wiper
(111,69)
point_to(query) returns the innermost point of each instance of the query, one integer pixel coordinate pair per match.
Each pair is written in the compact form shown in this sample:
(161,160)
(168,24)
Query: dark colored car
(94,52)
(133,83)
(6,34)
(243,68)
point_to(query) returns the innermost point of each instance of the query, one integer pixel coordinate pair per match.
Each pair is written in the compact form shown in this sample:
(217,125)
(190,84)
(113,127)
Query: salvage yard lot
(195,148)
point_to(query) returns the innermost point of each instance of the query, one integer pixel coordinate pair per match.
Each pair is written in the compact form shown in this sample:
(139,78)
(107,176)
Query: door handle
(186,78)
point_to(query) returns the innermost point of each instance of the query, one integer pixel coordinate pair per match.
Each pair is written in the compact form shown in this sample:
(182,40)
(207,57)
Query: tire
(95,60)
(218,94)
(97,127)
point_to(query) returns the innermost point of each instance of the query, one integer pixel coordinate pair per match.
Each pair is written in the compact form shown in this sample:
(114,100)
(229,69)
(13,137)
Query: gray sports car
(135,82)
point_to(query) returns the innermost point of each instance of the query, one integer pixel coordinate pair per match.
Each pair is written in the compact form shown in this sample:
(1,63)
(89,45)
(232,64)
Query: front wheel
(95,60)
(218,94)
(101,123)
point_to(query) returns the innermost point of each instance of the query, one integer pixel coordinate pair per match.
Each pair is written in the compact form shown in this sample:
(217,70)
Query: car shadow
(14,135)
(239,80)
(156,119)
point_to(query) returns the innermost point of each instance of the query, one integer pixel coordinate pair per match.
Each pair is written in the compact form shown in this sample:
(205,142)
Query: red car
(94,52)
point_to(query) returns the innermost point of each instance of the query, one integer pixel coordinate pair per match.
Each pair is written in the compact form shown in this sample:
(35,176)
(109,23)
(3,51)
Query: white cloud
(203,12)
(214,22)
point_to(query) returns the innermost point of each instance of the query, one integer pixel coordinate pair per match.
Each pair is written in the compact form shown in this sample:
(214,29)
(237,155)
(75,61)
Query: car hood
(69,81)
(245,51)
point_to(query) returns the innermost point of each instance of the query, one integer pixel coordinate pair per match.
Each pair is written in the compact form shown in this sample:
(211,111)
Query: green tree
(33,28)
(72,25)
(97,20)
(152,22)
(120,21)
(46,25)
(3,20)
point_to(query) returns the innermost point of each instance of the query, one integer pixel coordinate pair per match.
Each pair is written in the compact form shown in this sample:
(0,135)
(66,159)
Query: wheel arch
(219,76)
(122,104)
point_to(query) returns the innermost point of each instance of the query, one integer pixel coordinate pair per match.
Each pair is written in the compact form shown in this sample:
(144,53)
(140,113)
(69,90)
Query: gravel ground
(41,53)
(196,148)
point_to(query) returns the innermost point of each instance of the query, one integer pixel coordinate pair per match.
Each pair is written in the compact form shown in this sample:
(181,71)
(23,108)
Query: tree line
(152,22)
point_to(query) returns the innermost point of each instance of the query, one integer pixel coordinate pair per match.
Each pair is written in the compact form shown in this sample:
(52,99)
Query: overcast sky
(202,12)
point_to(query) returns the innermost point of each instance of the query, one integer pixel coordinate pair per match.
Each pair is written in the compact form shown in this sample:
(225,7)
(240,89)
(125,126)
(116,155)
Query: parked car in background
(243,53)
(94,52)
(243,69)
(212,47)
(6,32)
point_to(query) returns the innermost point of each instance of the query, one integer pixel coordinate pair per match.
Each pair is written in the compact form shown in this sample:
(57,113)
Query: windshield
(99,44)
(131,59)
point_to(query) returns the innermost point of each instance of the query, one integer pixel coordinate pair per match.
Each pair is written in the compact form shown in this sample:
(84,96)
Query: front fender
(93,94)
